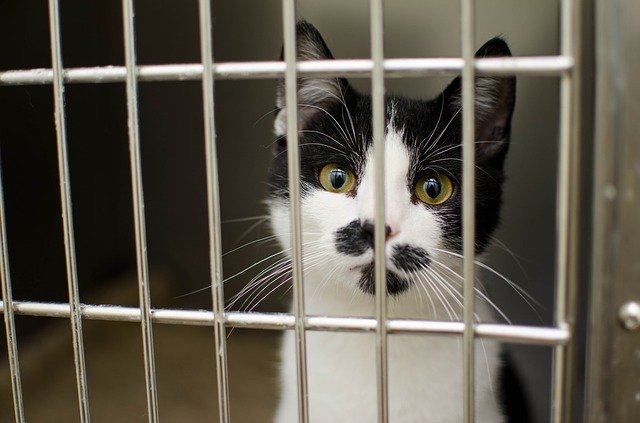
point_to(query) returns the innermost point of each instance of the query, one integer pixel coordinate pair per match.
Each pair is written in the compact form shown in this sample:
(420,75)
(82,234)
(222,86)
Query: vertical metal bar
(9,324)
(293,160)
(138,209)
(468,203)
(378,123)
(213,210)
(614,341)
(67,213)
(567,215)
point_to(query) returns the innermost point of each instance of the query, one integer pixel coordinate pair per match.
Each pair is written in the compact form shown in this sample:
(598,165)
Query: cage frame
(561,335)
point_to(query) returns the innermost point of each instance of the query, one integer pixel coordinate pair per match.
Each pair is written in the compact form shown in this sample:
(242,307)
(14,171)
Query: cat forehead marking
(397,162)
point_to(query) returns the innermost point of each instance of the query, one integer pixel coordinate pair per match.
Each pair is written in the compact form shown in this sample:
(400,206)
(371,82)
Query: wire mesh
(67,214)
(8,313)
(293,167)
(138,209)
(467,18)
(377,68)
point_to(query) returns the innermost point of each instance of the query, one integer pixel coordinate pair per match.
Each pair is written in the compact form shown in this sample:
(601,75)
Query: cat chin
(396,284)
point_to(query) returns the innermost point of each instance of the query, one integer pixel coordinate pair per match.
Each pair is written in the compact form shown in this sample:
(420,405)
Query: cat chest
(425,376)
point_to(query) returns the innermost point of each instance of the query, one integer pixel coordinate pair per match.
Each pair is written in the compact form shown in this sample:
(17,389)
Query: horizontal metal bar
(394,68)
(531,335)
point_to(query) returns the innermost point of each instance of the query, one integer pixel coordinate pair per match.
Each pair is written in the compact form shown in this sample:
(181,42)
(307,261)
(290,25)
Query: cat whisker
(255,241)
(279,268)
(265,239)
(486,361)
(246,269)
(520,291)
(274,270)
(249,230)
(333,119)
(515,286)
(339,151)
(251,307)
(456,294)
(266,277)
(460,160)
(245,219)
(342,101)
(446,149)
(443,130)
(426,291)
(437,123)
(516,258)
(440,296)
(273,110)
(478,292)
(309,144)
(326,279)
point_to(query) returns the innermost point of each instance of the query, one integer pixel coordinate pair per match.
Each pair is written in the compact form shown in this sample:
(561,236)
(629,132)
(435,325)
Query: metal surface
(9,323)
(528,335)
(567,215)
(213,211)
(358,68)
(138,209)
(613,372)
(293,167)
(378,125)
(467,24)
(629,315)
(67,213)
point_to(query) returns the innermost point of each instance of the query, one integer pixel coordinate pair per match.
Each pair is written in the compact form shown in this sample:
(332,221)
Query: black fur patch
(395,284)
(357,237)
(410,259)
(353,240)
(512,394)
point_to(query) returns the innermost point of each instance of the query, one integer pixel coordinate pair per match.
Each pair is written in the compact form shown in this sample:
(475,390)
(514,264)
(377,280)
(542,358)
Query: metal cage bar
(614,341)
(213,211)
(467,24)
(378,113)
(527,335)
(9,323)
(567,216)
(138,209)
(293,167)
(67,213)
(378,68)
(613,338)
(355,68)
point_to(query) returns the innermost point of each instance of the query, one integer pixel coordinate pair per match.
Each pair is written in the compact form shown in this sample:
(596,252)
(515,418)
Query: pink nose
(369,228)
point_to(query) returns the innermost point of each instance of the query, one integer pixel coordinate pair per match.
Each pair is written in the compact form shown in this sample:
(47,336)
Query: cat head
(423,172)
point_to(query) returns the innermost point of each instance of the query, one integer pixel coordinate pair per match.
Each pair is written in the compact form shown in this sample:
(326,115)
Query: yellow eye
(336,178)
(434,188)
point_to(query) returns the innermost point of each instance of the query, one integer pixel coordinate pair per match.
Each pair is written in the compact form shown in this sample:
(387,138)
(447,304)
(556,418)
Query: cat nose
(368,229)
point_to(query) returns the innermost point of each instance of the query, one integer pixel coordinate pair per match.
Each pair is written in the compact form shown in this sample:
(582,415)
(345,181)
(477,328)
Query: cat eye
(336,178)
(434,188)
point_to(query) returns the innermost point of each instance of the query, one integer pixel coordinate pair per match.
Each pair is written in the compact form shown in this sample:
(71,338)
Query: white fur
(425,372)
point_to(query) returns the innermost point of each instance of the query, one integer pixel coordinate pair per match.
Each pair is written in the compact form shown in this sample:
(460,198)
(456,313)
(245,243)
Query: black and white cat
(423,216)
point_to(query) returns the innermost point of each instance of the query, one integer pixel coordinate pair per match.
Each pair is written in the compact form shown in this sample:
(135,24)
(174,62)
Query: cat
(424,240)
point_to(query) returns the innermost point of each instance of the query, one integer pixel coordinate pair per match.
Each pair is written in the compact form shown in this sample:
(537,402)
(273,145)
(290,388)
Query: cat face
(423,173)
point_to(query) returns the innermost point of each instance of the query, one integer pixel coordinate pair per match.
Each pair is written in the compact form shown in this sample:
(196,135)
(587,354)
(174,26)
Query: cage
(132,217)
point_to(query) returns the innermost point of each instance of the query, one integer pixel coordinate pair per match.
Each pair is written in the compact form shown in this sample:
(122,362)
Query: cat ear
(314,93)
(494,102)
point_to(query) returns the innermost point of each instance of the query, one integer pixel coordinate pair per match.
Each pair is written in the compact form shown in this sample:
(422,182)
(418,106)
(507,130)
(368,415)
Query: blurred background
(171,129)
